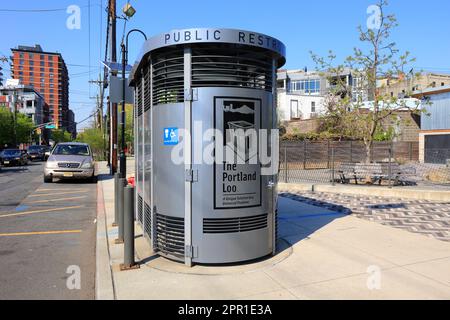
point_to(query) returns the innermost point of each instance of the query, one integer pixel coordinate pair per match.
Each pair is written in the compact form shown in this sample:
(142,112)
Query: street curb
(395,192)
(104,283)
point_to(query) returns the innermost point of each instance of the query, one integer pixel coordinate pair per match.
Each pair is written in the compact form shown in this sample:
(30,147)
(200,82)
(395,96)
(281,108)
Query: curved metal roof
(211,35)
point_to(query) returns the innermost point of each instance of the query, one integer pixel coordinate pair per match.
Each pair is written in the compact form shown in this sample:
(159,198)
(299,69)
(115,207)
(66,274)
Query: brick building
(47,73)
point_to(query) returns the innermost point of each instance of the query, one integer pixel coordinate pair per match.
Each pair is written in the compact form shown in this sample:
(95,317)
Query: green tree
(129,127)
(350,113)
(95,138)
(60,135)
(6,127)
(24,127)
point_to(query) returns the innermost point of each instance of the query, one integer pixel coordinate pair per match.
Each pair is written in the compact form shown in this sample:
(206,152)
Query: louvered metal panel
(170,235)
(231,225)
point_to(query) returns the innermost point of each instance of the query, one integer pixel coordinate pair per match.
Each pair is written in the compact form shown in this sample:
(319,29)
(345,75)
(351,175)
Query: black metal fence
(395,163)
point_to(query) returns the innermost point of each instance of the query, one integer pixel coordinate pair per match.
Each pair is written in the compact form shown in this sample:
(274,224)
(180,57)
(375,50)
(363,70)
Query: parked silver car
(70,160)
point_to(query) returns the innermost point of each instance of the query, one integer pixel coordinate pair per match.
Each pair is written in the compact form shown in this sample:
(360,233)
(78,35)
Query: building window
(442,84)
(295,112)
(21,61)
(313,106)
(306,86)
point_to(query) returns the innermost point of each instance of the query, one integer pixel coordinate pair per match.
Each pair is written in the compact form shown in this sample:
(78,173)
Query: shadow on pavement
(299,216)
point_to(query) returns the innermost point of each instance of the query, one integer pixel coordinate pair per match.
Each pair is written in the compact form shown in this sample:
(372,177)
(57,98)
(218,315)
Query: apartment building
(405,85)
(47,73)
(301,93)
(24,99)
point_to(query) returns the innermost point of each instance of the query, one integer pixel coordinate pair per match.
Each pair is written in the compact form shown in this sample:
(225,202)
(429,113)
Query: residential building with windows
(24,99)
(404,85)
(301,93)
(47,73)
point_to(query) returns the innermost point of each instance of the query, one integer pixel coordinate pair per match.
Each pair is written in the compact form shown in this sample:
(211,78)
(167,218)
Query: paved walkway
(323,254)
(429,218)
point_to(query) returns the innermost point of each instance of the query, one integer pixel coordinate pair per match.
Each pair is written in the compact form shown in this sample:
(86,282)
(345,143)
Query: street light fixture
(128,10)
(122,157)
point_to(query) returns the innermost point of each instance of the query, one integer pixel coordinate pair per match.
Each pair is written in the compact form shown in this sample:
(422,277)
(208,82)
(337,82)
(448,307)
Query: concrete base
(395,192)
(124,267)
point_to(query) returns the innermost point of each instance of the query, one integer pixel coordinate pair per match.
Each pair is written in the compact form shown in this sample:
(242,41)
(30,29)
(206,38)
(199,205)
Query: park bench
(374,172)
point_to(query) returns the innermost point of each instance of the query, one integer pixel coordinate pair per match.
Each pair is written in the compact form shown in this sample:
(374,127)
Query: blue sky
(424,28)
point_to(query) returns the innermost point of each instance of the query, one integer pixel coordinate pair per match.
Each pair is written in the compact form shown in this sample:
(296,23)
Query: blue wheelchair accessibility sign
(170,136)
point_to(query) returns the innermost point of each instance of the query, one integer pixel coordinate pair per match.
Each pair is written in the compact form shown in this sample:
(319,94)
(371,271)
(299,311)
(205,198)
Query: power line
(38,10)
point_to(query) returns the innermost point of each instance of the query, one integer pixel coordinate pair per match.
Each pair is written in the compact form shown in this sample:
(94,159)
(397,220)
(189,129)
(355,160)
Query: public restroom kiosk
(195,80)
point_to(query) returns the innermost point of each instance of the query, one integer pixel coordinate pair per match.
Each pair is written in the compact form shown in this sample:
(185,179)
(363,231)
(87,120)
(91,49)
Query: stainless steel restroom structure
(193,211)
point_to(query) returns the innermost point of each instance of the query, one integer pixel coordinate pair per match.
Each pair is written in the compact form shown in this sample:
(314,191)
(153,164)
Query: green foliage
(6,127)
(129,127)
(60,135)
(314,136)
(94,137)
(24,127)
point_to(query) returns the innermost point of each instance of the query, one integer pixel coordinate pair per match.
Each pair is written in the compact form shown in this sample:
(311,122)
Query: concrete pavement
(323,254)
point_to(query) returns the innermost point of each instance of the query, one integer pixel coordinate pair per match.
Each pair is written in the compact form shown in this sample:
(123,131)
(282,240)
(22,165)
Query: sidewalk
(323,254)
(435,193)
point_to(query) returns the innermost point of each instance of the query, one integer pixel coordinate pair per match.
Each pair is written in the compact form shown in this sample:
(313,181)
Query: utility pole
(99,100)
(14,117)
(113,106)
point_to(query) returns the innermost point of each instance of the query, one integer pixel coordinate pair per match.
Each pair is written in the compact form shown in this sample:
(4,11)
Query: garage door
(437,148)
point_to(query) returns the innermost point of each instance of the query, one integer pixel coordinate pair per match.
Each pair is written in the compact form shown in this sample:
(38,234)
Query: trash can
(187,83)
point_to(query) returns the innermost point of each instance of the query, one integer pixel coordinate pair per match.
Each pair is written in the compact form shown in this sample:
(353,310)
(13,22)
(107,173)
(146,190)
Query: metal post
(328,154)
(304,155)
(122,158)
(116,199)
(128,226)
(122,184)
(390,168)
(351,151)
(285,165)
(332,167)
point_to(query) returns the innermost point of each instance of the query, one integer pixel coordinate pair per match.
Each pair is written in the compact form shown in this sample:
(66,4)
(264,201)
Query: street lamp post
(122,158)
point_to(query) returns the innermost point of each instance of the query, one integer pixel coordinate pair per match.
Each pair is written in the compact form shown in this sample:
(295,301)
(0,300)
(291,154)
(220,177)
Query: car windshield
(35,148)
(71,149)
(11,152)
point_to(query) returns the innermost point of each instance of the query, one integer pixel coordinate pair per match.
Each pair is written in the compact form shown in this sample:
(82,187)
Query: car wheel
(48,179)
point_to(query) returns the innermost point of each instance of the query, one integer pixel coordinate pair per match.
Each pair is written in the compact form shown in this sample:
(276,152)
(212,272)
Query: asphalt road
(47,236)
